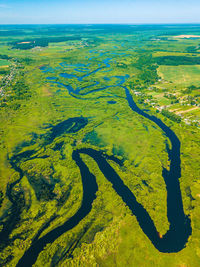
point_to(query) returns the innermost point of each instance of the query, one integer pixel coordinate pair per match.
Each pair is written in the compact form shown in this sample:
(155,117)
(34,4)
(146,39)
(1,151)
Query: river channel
(179,224)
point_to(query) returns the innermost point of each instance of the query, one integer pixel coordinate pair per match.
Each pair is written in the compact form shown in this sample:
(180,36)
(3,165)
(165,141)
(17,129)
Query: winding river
(180,226)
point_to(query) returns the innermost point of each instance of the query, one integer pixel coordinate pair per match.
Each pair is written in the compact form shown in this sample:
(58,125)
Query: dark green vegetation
(62,96)
(177,60)
(171,115)
(42,42)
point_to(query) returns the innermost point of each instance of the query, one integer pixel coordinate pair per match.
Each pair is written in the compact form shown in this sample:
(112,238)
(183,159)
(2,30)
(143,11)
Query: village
(183,105)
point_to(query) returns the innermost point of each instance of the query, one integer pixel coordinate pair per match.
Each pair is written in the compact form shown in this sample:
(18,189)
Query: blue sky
(99,11)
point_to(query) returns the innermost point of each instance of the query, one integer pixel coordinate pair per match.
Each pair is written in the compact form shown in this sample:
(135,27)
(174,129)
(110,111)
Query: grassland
(183,75)
(4,63)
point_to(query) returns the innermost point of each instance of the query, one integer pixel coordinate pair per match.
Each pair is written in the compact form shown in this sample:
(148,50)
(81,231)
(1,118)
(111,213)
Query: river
(179,224)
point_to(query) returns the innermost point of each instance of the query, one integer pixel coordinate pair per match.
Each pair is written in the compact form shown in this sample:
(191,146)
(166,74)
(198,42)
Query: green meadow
(4,63)
(183,75)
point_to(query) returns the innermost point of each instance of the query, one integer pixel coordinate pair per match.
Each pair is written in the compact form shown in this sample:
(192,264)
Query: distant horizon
(36,12)
(91,24)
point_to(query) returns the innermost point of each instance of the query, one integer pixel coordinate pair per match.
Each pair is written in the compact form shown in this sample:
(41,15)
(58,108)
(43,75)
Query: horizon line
(100,23)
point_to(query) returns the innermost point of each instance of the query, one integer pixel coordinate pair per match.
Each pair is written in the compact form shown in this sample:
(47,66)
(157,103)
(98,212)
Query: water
(111,102)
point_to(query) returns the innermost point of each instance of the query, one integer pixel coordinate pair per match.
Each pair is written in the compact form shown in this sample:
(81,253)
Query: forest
(178,60)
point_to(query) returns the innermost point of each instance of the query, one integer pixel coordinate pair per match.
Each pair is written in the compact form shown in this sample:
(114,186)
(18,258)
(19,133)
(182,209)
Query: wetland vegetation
(99,161)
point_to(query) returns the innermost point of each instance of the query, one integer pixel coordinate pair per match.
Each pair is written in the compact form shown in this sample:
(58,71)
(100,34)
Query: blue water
(68,76)
(51,78)
(111,102)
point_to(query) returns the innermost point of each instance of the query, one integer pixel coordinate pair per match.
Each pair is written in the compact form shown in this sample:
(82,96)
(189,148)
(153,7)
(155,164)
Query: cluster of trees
(190,89)
(148,68)
(177,60)
(172,97)
(171,115)
(4,71)
(21,90)
(5,57)
(42,42)
(149,74)
(25,61)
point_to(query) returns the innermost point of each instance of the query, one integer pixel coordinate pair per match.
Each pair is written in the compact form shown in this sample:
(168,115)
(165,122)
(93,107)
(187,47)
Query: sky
(99,11)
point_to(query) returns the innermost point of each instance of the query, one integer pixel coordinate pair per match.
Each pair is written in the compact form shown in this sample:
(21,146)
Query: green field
(181,75)
(4,63)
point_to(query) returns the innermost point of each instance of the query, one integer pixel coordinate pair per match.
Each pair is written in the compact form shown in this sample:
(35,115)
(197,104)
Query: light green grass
(4,62)
(181,75)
